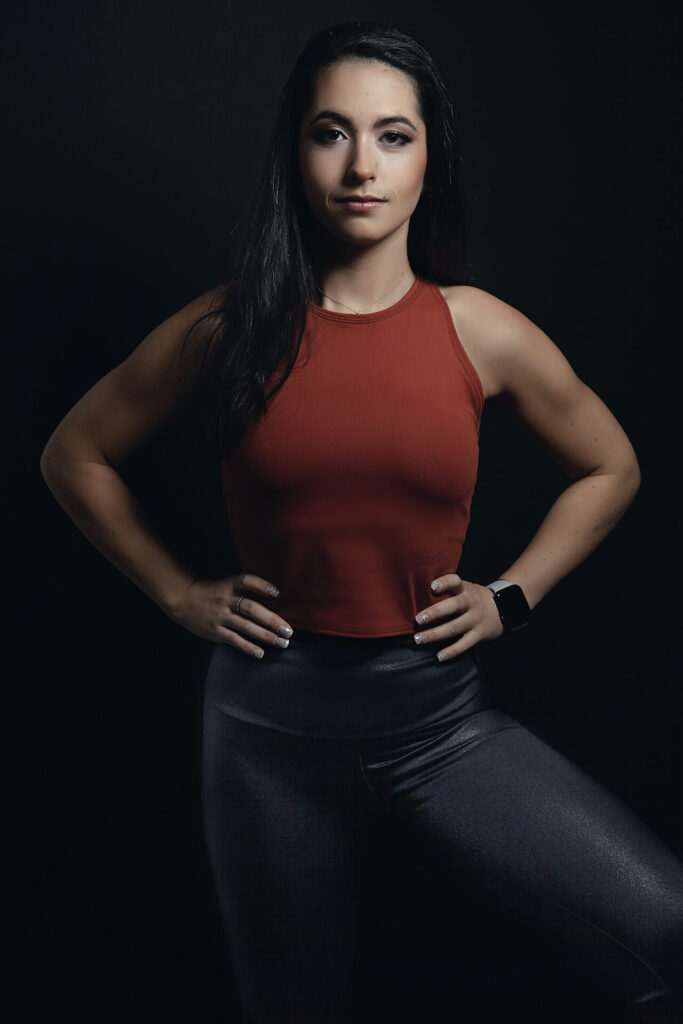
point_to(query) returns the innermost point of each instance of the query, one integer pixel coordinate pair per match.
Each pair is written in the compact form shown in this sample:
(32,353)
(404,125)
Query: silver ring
(237,605)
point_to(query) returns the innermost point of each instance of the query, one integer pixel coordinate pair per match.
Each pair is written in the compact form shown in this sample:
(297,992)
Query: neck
(362,277)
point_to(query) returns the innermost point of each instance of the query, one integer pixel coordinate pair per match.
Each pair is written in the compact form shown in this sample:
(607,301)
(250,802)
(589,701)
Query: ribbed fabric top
(353,490)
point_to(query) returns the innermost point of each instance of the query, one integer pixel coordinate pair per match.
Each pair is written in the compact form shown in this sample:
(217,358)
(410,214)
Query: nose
(361,165)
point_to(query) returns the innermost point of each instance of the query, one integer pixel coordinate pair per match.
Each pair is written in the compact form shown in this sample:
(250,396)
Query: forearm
(104,509)
(576,523)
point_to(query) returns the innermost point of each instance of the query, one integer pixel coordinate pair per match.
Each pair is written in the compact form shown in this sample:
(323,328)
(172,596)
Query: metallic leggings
(302,748)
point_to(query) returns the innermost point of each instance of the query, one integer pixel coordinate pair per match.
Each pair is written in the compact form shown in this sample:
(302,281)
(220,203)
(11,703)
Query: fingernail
(418,638)
(436,585)
(285,630)
(273,592)
(258,653)
(422,618)
(441,656)
(282,642)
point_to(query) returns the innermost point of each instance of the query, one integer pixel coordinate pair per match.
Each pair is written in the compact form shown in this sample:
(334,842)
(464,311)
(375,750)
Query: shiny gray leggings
(303,748)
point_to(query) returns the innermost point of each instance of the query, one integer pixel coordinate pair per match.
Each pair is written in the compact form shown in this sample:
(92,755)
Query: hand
(207,609)
(471,615)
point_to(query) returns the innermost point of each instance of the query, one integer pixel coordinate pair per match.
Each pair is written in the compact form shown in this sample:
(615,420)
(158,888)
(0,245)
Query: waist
(351,687)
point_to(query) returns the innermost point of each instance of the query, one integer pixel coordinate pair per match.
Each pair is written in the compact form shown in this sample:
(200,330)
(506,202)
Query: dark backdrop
(135,136)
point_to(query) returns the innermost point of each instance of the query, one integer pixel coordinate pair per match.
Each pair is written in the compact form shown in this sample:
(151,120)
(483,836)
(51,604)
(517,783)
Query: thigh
(283,815)
(547,840)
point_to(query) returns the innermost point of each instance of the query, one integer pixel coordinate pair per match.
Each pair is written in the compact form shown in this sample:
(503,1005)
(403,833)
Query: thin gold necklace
(360,312)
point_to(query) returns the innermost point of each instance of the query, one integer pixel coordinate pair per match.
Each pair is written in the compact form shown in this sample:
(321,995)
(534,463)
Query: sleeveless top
(352,492)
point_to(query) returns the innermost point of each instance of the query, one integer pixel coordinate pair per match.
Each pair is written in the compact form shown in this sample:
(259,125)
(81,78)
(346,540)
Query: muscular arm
(516,360)
(114,418)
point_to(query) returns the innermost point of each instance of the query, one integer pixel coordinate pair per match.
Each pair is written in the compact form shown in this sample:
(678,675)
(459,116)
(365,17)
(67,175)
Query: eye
(396,138)
(323,135)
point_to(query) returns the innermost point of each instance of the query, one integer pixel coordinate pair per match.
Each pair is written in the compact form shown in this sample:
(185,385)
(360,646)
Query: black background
(135,135)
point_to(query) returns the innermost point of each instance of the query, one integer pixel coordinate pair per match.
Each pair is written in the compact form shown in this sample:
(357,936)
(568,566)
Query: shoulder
(139,396)
(199,311)
(163,369)
(467,302)
(189,335)
(502,343)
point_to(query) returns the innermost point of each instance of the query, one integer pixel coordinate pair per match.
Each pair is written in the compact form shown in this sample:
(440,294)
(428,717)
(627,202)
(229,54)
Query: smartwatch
(511,603)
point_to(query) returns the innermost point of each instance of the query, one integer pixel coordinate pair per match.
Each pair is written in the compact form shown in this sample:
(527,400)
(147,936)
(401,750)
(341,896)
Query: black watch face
(514,610)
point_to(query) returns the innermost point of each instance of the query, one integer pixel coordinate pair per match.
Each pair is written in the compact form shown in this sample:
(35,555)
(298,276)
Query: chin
(364,234)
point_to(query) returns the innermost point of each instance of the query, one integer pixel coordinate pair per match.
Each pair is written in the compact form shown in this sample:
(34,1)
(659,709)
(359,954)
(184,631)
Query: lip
(361,202)
(360,199)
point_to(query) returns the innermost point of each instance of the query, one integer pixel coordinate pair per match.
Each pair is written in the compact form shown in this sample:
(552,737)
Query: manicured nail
(285,630)
(422,618)
(258,653)
(441,656)
(418,638)
(282,642)
(436,585)
(273,592)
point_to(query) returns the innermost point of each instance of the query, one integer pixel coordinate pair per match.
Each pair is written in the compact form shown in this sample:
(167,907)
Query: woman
(344,370)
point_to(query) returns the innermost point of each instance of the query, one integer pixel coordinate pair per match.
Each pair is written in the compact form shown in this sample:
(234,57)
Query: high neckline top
(371,318)
(352,492)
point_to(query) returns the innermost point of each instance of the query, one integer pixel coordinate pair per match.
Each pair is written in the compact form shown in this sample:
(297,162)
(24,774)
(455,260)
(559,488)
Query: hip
(346,687)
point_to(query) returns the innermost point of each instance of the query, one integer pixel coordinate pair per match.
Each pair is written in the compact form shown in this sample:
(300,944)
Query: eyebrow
(334,115)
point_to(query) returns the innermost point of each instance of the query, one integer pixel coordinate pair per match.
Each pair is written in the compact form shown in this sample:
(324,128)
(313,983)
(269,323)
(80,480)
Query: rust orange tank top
(353,490)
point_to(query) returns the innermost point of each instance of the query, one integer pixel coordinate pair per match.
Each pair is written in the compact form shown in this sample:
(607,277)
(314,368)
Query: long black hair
(251,339)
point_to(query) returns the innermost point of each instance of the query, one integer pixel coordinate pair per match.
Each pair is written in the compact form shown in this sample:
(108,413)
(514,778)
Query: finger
(451,581)
(262,619)
(448,607)
(467,640)
(454,627)
(229,636)
(248,581)
(253,630)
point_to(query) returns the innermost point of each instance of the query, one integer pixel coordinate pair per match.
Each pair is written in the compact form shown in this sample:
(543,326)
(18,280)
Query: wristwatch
(512,605)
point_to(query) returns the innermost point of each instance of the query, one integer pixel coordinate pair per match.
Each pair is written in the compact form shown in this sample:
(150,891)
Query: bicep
(539,387)
(137,398)
(561,412)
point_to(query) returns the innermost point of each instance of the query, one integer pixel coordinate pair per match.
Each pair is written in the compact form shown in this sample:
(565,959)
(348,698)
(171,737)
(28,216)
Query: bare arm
(113,419)
(571,423)
(516,360)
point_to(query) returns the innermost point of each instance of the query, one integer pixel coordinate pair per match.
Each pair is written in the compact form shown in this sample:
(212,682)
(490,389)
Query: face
(363,136)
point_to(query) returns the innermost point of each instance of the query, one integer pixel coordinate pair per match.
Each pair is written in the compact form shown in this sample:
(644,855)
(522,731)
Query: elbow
(630,479)
(636,481)
(53,459)
(623,478)
(633,474)
(637,478)
(47,462)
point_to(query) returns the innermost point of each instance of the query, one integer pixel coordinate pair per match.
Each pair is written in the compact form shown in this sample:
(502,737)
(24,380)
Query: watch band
(499,585)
